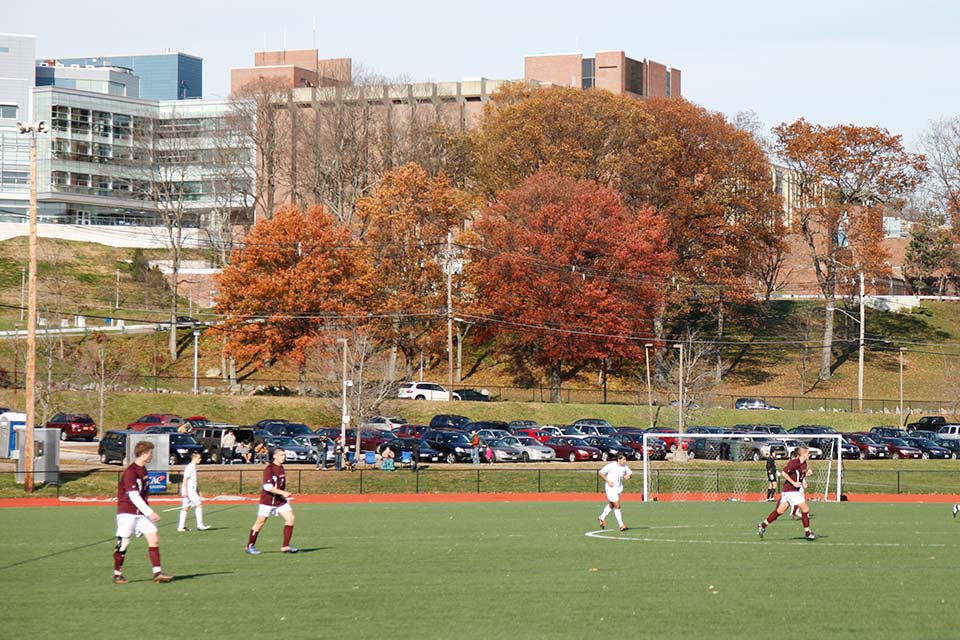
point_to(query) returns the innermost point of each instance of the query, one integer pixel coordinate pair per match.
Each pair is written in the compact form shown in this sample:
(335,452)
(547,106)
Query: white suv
(422,391)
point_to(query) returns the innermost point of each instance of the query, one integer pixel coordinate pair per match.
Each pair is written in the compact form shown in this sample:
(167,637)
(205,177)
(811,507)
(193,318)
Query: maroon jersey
(796,471)
(134,478)
(275,475)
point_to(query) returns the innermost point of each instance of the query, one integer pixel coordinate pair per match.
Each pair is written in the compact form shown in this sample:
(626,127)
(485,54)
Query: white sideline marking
(627,538)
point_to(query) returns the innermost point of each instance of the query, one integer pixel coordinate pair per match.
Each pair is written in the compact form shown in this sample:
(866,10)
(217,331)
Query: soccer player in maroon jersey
(134,515)
(274,501)
(791,495)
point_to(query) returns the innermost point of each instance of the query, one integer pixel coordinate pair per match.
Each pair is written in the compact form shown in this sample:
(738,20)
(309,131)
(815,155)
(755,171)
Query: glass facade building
(17,54)
(163,76)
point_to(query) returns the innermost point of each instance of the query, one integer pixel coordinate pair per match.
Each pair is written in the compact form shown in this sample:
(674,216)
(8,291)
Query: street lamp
(344,411)
(646,356)
(196,352)
(31,129)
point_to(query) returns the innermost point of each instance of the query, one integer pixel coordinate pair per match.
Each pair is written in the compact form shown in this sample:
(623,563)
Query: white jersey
(188,489)
(616,474)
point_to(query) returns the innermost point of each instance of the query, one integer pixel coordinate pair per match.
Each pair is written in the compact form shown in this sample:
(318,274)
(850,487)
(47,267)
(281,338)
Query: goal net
(732,466)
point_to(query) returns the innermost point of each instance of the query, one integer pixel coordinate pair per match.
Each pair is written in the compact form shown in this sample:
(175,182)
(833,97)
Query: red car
(672,442)
(900,449)
(537,434)
(657,450)
(869,448)
(371,439)
(409,430)
(155,420)
(573,449)
(73,425)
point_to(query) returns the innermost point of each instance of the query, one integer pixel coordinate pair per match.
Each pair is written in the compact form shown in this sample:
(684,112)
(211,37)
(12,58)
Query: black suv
(113,446)
(927,423)
(453,446)
(284,428)
(449,420)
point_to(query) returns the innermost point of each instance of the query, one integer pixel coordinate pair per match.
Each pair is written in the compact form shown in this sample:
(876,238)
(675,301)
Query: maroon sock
(770,518)
(118,557)
(252,540)
(806,520)
(155,558)
(287,534)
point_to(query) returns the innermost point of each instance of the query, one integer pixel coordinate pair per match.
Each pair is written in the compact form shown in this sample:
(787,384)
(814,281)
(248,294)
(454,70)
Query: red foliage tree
(567,275)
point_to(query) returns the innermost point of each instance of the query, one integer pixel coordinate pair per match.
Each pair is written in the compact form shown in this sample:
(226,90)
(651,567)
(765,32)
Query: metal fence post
(361,481)
(538,480)
(478,480)
(718,481)
(417,474)
(240,489)
(898,483)
(598,483)
(299,480)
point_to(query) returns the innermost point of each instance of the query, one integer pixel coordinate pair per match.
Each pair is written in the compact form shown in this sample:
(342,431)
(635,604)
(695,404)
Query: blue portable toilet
(9,423)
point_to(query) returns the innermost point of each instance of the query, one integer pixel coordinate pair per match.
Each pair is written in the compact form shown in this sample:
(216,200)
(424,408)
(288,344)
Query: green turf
(517,570)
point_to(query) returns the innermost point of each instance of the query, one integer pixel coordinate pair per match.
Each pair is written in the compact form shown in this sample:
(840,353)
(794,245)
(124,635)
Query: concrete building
(115,81)
(17,53)
(163,76)
(609,70)
(296,68)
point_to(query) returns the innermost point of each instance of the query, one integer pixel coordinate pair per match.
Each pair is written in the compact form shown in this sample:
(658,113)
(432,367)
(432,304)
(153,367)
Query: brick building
(609,70)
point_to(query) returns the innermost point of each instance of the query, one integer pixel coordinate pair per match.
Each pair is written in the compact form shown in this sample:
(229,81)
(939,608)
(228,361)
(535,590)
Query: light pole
(196,358)
(344,411)
(678,454)
(900,407)
(860,358)
(31,129)
(646,356)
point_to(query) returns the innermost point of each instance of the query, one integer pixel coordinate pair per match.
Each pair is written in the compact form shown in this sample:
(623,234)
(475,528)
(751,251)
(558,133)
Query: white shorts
(793,498)
(613,495)
(192,501)
(129,524)
(265,510)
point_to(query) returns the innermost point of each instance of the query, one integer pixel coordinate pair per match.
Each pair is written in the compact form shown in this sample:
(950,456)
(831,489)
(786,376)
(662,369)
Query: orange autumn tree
(405,223)
(847,175)
(567,275)
(297,279)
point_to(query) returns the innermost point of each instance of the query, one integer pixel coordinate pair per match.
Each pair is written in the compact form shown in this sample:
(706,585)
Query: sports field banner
(157,481)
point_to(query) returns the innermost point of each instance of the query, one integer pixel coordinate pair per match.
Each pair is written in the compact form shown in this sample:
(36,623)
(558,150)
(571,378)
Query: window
(8,111)
(588,72)
(4,49)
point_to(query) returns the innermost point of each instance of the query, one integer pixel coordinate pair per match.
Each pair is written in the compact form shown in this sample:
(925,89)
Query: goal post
(732,466)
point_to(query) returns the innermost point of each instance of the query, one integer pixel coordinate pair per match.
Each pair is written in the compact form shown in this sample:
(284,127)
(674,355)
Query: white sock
(199,514)
(619,516)
(183,519)
(606,512)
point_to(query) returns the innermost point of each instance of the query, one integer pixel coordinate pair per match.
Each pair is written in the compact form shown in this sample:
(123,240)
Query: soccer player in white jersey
(613,474)
(191,497)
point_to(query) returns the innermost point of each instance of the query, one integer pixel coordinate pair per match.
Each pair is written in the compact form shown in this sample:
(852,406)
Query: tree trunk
(392,364)
(233,371)
(101,390)
(172,340)
(223,359)
(659,364)
(302,380)
(826,355)
(554,381)
(720,343)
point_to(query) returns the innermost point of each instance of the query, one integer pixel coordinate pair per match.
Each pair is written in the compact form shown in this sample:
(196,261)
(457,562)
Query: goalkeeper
(771,476)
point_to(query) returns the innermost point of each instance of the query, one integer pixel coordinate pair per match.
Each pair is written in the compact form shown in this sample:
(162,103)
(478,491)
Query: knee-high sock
(606,512)
(252,540)
(770,518)
(183,519)
(287,534)
(616,512)
(805,517)
(199,514)
(119,554)
(155,558)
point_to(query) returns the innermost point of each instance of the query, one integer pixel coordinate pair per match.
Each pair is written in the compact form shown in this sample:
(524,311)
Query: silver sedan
(530,448)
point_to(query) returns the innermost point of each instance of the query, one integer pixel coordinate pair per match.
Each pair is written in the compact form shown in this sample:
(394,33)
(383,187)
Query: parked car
(898,448)
(503,452)
(594,426)
(887,432)
(383,422)
(919,433)
(410,430)
(295,452)
(182,446)
(610,447)
(815,452)
(929,449)
(867,446)
(531,449)
(572,449)
(514,425)
(671,441)
(312,441)
(928,423)
(279,427)
(493,434)
(756,404)
(186,321)
(471,395)
(706,448)
(537,434)
(422,391)
(154,420)
(373,439)
(949,431)
(448,420)
(656,448)
(113,446)
(486,425)
(73,425)
(947,443)
(211,437)
(764,428)
(549,431)
(755,447)
(454,446)
(427,453)
(706,430)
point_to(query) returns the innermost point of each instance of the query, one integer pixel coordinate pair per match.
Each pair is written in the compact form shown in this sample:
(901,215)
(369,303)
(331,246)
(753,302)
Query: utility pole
(449,270)
(344,411)
(900,406)
(32,130)
(860,362)
(646,356)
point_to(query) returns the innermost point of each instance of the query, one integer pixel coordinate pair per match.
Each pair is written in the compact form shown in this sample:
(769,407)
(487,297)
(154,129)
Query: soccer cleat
(162,578)
(119,579)
(290,550)
(252,550)
(956,510)
(810,535)
(623,528)
(760,530)
(182,529)
(603,523)
(203,527)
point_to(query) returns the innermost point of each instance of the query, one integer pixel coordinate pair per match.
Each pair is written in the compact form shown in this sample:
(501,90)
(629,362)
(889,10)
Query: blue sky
(883,63)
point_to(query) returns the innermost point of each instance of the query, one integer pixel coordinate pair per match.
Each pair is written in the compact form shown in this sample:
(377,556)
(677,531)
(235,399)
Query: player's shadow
(56,553)
(304,550)
(191,576)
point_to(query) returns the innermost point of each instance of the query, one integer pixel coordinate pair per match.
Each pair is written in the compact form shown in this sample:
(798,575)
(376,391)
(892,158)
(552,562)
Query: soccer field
(484,570)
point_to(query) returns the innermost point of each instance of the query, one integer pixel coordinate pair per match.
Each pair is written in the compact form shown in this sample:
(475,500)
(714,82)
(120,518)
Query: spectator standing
(415,454)
(322,452)
(338,454)
(474,447)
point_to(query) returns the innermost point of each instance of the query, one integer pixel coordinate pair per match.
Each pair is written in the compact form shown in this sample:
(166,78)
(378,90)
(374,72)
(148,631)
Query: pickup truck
(927,423)
(949,432)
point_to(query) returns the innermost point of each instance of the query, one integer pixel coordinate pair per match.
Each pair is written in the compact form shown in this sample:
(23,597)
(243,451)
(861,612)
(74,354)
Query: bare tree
(102,366)
(941,145)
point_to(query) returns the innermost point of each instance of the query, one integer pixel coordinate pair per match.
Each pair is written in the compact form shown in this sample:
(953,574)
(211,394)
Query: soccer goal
(732,466)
